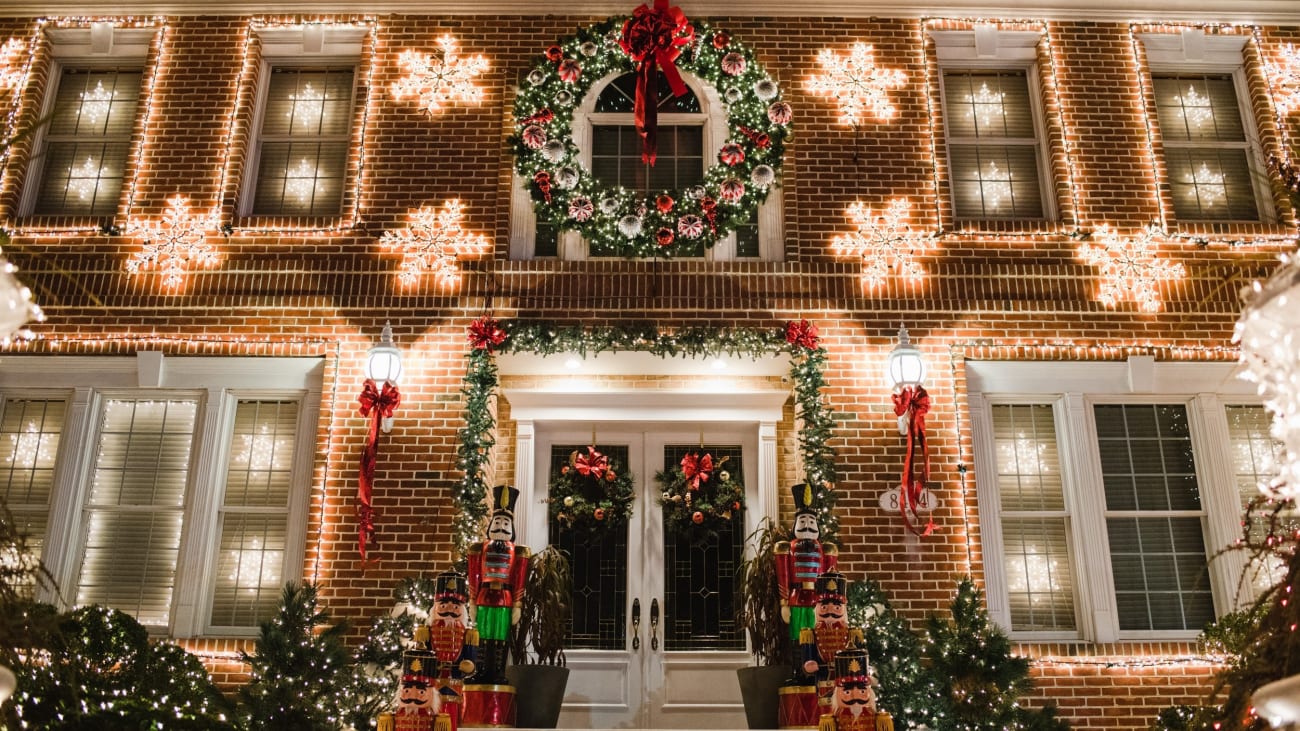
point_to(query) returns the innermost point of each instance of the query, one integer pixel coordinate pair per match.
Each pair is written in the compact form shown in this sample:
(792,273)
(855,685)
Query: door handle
(636,624)
(654,623)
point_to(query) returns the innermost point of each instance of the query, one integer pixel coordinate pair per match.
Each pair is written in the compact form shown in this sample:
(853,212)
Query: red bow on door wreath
(915,403)
(696,469)
(654,37)
(377,405)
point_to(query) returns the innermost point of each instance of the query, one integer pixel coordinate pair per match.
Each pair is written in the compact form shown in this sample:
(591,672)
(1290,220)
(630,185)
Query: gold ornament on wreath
(592,494)
(700,497)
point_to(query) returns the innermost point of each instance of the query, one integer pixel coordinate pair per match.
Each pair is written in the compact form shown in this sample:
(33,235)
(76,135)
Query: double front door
(654,642)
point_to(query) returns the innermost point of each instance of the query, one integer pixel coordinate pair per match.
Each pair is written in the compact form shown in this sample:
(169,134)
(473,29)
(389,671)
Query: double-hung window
(993,124)
(1210,143)
(79,165)
(172,489)
(1105,488)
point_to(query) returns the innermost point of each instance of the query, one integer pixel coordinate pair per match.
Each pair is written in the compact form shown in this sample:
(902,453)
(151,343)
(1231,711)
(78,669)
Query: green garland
(719,502)
(667,222)
(591,504)
(487,336)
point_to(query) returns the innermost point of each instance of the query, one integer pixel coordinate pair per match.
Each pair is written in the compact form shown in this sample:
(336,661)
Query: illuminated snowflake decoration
(1207,186)
(1129,267)
(300,181)
(175,244)
(1196,109)
(986,106)
(307,109)
(96,103)
(1285,74)
(83,179)
(885,243)
(11,64)
(996,185)
(857,84)
(435,83)
(432,244)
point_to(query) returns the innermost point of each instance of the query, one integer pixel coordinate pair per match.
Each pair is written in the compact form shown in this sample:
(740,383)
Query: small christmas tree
(978,675)
(907,689)
(297,670)
(371,683)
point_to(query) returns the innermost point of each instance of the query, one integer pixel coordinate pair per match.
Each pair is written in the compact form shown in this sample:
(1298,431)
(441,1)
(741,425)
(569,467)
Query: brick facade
(294,287)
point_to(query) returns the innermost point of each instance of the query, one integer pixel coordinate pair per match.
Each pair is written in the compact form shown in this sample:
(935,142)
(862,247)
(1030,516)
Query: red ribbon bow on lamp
(914,401)
(654,37)
(592,464)
(378,405)
(696,469)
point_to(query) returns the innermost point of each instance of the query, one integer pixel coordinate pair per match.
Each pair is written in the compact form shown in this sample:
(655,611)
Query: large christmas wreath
(700,497)
(665,222)
(590,494)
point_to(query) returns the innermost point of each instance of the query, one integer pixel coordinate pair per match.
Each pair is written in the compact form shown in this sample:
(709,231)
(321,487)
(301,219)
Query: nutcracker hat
(806,498)
(451,585)
(504,498)
(852,667)
(831,585)
(418,666)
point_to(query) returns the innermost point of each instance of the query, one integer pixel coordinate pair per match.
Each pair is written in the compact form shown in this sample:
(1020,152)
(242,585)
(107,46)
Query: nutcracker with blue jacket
(799,563)
(853,706)
(829,634)
(453,643)
(497,570)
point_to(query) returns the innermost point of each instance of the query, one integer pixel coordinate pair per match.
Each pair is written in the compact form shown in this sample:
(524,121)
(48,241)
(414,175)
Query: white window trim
(1192,51)
(1072,388)
(712,116)
(100,46)
(988,48)
(308,46)
(218,382)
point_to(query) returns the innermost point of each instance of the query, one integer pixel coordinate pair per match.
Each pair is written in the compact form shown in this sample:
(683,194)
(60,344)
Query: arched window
(691,130)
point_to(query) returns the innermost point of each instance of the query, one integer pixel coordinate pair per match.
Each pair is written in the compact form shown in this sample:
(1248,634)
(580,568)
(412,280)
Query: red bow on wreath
(654,37)
(696,469)
(485,333)
(378,405)
(591,464)
(915,403)
(802,334)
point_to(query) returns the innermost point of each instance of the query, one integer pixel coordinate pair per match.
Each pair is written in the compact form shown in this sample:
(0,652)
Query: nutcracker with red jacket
(853,706)
(799,563)
(417,698)
(830,632)
(497,570)
(454,645)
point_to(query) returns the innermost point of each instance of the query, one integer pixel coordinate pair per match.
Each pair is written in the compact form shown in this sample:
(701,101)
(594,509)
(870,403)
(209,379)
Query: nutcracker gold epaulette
(522,551)
(826,723)
(806,636)
(884,722)
(782,547)
(471,637)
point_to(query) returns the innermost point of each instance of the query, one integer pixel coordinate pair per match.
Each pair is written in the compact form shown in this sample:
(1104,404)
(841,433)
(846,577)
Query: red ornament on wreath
(591,494)
(699,497)
(732,190)
(664,236)
(654,37)
(569,70)
(543,181)
(721,40)
(731,154)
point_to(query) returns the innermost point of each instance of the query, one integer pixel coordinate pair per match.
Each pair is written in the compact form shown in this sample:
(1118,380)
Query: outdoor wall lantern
(378,402)
(905,372)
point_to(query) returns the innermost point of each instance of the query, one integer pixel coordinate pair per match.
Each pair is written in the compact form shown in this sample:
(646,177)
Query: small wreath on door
(700,497)
(591,495)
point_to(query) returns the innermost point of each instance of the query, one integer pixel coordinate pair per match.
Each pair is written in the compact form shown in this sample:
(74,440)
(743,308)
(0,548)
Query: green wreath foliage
(568,197)
(699,514)
(589,503)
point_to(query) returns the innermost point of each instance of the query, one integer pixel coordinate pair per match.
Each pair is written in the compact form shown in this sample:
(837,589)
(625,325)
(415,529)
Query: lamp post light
(905,369)
(905,374)
(384,366)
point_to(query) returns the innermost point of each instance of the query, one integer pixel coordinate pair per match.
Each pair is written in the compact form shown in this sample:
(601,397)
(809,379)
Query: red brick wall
(994,294)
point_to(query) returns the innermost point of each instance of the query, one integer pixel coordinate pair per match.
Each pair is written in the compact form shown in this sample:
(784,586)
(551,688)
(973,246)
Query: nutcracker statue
(454,646)
(497,569)
(829,634)
(417,700)
(800,562)
(853,707)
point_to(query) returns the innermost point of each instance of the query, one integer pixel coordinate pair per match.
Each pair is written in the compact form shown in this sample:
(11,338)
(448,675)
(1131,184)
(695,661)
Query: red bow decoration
(654,37)
(543,181)
(485,333)
(760,139)
(696,469)
(591,464)
(377,405)
(802,334)
(915,402)
(710,208)
(544,116)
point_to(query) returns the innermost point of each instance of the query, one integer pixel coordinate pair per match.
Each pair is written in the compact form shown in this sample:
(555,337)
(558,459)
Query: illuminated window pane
(86,145)
(29,443)
(135,509)
(254,518)
(302,161)
(1040,590)
(1255,459)
(616,160)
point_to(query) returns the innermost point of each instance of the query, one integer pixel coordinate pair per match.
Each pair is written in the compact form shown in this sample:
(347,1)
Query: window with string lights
(1207,141)
(1106,487)
(993,125)
(176,494)
(80,157)
(306,103)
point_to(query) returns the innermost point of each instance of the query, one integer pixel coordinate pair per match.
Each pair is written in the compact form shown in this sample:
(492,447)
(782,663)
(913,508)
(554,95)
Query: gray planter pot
(539,694)
(758,689)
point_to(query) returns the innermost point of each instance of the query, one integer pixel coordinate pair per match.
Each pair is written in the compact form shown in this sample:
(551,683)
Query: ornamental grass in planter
(538,670)
(759,614)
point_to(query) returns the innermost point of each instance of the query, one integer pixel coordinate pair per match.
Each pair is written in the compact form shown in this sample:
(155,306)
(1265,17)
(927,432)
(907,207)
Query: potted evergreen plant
(538,670)
(759,602)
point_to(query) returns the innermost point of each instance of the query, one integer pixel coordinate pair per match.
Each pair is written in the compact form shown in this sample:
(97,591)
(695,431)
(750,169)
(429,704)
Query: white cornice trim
(1263,12)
